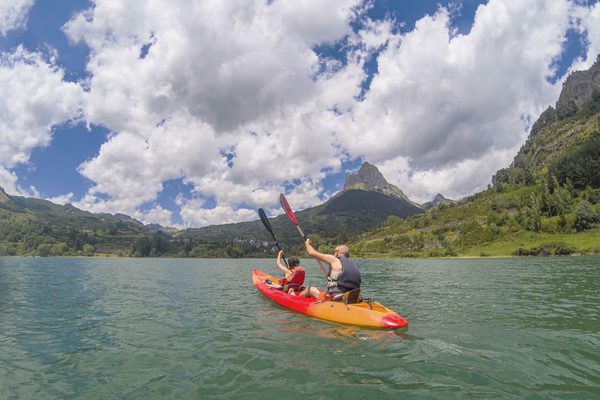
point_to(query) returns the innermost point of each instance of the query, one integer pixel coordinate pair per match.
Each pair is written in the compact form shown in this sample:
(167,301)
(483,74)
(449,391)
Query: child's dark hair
(293,262)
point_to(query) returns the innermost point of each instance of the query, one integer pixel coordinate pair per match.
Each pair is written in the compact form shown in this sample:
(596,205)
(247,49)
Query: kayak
(366,313)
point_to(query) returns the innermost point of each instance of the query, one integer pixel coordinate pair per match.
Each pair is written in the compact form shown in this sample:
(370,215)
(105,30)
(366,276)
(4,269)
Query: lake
(197,328)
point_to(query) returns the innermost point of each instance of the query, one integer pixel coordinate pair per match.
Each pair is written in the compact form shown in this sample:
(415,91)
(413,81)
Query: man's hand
(308,243)
(280,253)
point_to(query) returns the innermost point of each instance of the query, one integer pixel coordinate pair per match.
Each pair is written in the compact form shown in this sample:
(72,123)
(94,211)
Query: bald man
(343,275)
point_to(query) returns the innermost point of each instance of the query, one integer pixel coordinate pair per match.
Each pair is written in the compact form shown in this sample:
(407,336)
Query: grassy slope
(26,223)
(490,223)
(587,242)
(472,228)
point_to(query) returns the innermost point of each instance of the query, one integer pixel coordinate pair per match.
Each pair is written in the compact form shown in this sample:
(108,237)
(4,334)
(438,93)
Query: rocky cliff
(369,178)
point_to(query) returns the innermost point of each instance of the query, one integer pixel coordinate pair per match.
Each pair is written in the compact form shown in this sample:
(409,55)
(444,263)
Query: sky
(192,113)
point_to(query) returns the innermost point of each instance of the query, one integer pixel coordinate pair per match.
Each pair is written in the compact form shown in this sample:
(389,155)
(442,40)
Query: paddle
(267,224)
(288,211)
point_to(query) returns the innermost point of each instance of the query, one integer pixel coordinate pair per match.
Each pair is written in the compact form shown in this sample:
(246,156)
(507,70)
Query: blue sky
(191,115)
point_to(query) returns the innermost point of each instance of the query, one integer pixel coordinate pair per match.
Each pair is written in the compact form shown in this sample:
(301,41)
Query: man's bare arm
(328,258)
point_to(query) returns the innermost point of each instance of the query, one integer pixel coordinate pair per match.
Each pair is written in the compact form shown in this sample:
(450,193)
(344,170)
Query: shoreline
(463,257)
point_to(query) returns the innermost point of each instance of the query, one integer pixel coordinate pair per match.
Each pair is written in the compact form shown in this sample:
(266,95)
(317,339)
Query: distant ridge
(31,226)
(365,203)
(437,200)
(368,190)
(5,200)
(368,177)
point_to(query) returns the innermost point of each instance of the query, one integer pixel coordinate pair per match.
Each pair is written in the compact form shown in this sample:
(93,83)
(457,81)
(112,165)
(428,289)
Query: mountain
(368,191)
(3,197)
(31,226)
(39,227)
(546,202)
(580,88)
(154,228)
(369,178)
(365,203)
(439,199)
(560,131)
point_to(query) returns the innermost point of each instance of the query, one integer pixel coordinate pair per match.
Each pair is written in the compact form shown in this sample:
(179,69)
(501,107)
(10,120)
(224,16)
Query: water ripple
(111,328)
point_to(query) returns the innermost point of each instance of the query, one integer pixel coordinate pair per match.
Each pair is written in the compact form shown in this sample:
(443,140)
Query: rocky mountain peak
(3,196)
(439,197)
(579,88)
(437,200)
(369,178)
(368,175)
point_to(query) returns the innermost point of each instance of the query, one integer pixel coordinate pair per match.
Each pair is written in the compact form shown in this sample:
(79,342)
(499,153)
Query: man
(293,275)
(343,275)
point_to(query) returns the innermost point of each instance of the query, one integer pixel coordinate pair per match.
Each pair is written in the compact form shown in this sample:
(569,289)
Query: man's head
(342,250)
(293,262)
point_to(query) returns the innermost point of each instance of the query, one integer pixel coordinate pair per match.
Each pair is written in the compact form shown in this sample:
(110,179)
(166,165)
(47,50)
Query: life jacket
(296,280)
(347,280)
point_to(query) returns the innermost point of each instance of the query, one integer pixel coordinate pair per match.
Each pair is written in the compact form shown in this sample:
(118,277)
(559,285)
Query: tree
(392,220)
(141,247)
(88,250)
(534,219)
(562,223)
(546,200)
(585,216)
(592,195)
(580,166)
(59,249)
(43,250)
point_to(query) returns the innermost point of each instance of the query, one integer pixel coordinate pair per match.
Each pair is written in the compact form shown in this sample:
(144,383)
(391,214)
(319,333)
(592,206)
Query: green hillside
(39,227)
(364,204)
(546,202)
(337,220)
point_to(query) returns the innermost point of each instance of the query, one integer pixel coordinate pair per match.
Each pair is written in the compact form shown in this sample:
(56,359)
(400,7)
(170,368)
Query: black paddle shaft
(267,224)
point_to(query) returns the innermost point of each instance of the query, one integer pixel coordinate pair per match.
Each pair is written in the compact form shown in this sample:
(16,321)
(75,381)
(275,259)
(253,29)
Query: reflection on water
(154,328)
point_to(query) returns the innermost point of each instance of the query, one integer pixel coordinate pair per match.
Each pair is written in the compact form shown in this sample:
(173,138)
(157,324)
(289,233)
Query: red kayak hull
(372,315)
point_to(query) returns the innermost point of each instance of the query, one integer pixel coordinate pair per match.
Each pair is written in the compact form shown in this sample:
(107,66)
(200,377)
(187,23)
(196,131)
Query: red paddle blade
(288,210)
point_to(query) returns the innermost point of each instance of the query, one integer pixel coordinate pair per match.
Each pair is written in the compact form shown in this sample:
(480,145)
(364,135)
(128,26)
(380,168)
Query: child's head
(293,262)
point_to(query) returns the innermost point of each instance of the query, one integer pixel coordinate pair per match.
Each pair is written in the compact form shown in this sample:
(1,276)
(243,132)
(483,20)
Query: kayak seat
(351,297)
(296,286)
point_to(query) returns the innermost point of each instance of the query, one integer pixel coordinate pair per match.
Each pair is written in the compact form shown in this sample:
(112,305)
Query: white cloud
(13,14)
(451,181)
(232,98)
(445,102)
(588,23)
(34,99)
(157,215)
(193,213)
(131,167)
(306,194)
(8,181)
(226,78)
(224,62)
(440,98)
(62,199)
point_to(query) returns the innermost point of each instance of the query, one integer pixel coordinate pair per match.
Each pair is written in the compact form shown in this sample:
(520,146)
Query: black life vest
(347,280)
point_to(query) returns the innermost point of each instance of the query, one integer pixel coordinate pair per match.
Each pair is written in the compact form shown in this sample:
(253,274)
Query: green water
(196,329)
